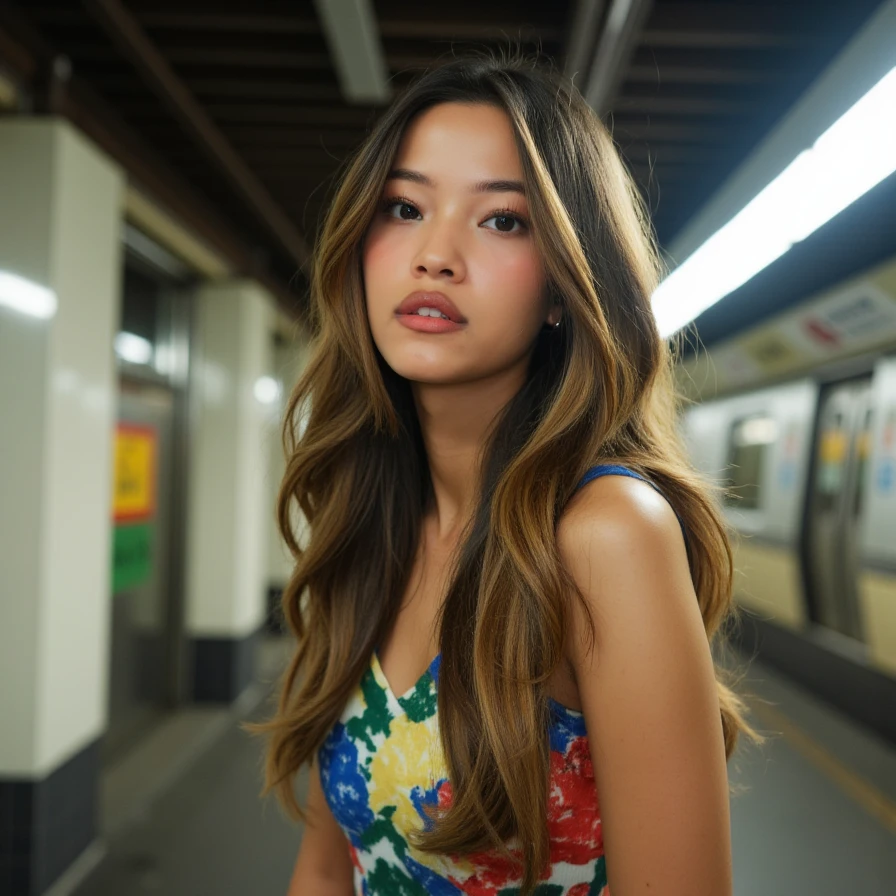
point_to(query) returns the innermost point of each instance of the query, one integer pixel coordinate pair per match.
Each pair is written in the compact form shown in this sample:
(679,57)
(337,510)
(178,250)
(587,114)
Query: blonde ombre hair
(599,389)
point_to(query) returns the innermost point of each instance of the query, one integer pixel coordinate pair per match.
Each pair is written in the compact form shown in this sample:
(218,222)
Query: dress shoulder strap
(618,470)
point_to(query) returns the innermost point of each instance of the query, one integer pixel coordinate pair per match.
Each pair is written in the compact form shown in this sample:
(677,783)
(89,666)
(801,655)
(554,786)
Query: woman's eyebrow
(482,186)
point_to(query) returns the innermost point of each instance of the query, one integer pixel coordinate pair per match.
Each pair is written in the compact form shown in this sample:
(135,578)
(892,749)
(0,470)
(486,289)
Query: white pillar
(60,201)
(290,359)
(229,486)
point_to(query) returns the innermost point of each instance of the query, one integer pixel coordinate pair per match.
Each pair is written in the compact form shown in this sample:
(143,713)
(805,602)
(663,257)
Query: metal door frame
(810,588)
(181,383)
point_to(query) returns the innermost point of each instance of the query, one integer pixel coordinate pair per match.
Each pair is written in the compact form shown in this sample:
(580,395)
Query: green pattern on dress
(375,718)
(600,877)
(388,880)
(422,703)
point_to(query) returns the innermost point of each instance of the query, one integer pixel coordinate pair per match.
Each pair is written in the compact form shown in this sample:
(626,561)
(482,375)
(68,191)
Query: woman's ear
(555,314)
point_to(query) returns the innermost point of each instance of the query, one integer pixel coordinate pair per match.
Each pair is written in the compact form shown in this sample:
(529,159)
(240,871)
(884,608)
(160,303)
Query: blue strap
(617,470)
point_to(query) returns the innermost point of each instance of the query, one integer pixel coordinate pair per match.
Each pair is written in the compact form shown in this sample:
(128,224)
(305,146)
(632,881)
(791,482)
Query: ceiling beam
(665,173)
(309,166)
(240,23)
(464,29)
(685,105)
(618,38)
(624,130)
(583,31)
(104,126)
(721,38)
(127,34)
(278,114)
(269,138)
(460,28)
(697,74)
(732,17)
(356,48)
(229,57)
(671,152)
(226,88)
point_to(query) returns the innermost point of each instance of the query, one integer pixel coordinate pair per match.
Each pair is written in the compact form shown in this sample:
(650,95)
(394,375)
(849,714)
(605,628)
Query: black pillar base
(45,824)
(223,667)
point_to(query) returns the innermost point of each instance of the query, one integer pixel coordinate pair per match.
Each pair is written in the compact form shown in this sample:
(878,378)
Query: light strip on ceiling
(354,41)
(26,297)
(856,153)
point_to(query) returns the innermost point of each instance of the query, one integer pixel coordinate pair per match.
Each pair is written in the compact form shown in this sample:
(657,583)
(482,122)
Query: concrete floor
(804,825)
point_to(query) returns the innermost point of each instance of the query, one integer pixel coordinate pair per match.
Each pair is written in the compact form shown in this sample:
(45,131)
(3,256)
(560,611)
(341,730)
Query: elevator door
(835,510)
(142,625)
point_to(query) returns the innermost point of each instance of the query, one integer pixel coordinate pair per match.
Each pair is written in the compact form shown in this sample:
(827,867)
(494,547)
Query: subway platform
(816,815)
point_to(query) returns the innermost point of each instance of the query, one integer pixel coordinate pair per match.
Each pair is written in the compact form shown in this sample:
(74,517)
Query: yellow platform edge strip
(853,785)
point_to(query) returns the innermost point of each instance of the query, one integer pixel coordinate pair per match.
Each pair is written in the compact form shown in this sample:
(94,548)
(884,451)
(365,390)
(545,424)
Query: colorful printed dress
(382,762)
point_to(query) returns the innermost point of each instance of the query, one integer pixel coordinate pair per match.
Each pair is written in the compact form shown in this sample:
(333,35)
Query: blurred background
(164,167)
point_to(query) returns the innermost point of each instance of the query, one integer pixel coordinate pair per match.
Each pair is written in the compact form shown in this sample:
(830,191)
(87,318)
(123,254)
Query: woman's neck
(456,420)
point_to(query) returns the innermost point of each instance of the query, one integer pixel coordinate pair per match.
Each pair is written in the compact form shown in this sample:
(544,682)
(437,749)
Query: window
(747,451)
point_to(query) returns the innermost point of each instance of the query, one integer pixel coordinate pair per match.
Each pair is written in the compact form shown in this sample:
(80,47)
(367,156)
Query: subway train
(796,419)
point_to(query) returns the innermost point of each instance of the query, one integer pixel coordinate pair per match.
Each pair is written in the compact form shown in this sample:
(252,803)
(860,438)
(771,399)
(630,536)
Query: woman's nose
(439,254)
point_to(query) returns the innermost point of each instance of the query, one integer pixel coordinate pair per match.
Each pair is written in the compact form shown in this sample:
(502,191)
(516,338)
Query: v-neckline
(431,669)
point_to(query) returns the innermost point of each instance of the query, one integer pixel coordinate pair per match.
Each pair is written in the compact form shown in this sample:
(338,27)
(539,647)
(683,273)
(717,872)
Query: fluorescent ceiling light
(354,41)
(133,348)
(856,153)
(26,297)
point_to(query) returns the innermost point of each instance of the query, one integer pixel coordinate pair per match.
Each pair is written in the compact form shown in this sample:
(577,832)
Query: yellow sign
(134,493)
(833,446)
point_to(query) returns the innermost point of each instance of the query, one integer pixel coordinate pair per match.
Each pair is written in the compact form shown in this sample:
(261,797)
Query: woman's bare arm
(649,695)
(323,866)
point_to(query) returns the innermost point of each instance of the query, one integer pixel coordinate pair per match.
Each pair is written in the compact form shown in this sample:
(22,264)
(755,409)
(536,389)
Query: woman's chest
(382,768)
(412,641)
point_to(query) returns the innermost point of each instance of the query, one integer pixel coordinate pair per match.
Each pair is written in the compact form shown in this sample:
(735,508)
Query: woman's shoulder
(616,501)
(645,681)
(620,540)
(614,504)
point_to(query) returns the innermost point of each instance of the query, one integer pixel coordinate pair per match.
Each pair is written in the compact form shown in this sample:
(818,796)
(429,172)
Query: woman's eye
(406,211)
(505,223)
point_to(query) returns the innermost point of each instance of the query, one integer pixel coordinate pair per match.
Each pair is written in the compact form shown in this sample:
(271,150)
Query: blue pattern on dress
(340,776)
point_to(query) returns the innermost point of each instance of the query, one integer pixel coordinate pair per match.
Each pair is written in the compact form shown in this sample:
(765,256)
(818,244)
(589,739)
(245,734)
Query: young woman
(503,680)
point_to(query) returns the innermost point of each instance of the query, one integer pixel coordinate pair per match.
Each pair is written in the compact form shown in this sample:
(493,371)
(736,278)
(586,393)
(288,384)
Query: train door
(148,538)
(835,505)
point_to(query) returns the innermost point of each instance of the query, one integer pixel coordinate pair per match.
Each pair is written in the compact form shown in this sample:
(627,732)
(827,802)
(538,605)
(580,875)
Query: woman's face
(454,221)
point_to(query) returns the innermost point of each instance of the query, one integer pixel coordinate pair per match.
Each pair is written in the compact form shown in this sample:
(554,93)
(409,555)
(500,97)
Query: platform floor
(818,816)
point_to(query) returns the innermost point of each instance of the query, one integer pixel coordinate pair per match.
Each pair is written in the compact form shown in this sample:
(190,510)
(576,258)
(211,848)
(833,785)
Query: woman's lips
(430,299)
(428,324)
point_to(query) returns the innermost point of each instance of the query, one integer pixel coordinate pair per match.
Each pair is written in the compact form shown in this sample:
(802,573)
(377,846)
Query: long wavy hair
(598,389)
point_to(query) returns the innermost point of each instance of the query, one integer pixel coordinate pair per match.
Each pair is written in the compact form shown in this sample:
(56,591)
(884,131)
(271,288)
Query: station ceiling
(230,112)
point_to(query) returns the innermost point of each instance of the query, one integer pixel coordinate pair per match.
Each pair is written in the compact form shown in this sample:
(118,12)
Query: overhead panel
(356,49)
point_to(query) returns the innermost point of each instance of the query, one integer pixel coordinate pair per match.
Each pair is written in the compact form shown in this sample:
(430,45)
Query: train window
(747,449)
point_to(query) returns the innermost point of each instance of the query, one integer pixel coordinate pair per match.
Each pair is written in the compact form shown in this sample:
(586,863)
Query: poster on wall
(133,505)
